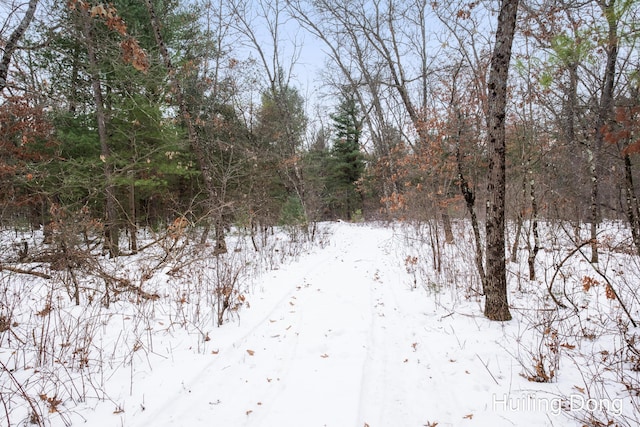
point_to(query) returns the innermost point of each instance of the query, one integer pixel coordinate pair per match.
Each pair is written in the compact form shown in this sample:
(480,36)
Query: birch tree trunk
(12,44)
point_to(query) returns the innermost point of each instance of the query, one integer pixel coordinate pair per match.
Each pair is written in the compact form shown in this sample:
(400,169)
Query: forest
(166,132)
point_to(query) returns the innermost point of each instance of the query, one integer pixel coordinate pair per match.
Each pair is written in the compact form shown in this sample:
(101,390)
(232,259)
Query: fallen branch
(122,285)
(22,271)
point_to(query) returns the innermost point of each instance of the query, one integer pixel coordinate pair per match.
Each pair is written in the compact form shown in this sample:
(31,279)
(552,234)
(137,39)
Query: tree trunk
(604,114)
(12,44)
(632,209)
(133,229)
(221,243)
(533,252)
(434,237)
(111,229)
(593,202)
(448,231)
(496,303)
(198,150)
(470,200)
(516,240)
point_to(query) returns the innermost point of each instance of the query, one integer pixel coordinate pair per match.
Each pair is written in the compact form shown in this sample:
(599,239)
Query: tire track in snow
(400,344)
(209,396)
(325,378)
(382,402)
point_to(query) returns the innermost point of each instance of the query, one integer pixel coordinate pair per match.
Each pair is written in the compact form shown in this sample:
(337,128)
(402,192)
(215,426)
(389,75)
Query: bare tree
(350,59)
(458,127)
(263,26)
(384,53)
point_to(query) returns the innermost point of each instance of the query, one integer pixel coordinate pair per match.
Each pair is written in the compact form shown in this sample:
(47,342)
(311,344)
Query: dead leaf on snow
(251,352)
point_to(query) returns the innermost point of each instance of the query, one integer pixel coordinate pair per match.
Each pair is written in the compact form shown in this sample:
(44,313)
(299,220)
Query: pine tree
(149,165)
(347,163)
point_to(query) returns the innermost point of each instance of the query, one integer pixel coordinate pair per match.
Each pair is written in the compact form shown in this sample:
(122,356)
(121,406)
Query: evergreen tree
(150,168)
(278,182)
(316,160)
(346,161)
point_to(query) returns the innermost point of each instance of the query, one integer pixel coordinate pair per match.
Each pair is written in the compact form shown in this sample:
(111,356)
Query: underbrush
(71,318)
(575,329)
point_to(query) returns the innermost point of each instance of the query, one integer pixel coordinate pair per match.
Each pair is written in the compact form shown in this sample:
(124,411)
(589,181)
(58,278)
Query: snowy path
(318,357)
(337,339)
(310,361)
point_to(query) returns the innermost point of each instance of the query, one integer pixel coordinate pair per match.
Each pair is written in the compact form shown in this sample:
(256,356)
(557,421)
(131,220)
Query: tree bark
(12,43)
(496,303)
(446,223)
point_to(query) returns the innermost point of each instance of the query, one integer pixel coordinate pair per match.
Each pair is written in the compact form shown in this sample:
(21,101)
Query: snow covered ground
(341,337)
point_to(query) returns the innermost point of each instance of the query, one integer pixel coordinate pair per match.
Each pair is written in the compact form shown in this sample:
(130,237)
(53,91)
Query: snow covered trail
(314,352)
(309,361)
(336,339)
